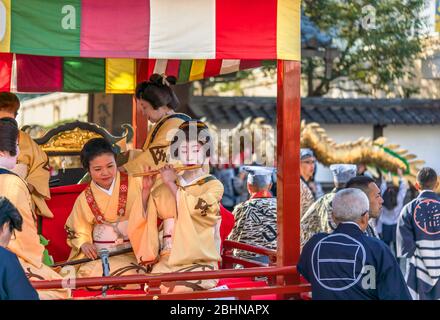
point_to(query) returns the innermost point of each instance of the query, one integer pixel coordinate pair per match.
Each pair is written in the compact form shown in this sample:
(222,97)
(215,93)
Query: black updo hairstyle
(9,213)
(8,135)
(94,148)
(202,132)
(157,91)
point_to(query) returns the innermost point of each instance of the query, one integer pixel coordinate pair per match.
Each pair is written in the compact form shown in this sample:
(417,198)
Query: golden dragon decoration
(376,154)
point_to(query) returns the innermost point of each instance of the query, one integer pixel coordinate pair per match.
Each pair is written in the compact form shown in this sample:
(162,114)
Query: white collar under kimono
(109,191)
(184,183)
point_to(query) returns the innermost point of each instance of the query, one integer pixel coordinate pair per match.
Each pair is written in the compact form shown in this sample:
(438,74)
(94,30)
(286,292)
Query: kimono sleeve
(156,153)
(307,198)
(143,233)
(405,241)
(27,242)
(205,208)
(391,283)
(79,225)
(16,283)
(239,215)
(36,159)
(310,223)
(164,202)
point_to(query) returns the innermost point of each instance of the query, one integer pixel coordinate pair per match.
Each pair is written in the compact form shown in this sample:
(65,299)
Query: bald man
(348,264)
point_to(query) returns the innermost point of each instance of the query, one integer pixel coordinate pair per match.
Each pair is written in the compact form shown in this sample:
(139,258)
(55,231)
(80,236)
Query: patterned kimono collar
(3,170)
(262,194)
(122,202)
(7,171)
(197,181)
(426,194)
(112,187)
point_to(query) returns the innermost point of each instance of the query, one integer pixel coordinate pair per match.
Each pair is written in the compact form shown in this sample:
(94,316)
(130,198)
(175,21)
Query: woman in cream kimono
(189,205)
(32,163)
(158,102)
(26,244)
(99,218)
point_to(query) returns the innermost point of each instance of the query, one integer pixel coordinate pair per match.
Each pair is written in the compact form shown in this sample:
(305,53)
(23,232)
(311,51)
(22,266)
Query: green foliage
(378,41)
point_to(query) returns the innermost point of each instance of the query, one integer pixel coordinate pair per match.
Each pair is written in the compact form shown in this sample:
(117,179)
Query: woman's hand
(89,250)
(148,181)
(168,174)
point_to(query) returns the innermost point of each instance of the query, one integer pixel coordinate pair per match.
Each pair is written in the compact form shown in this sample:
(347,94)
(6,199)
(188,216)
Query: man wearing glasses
(348,264)
(307,168)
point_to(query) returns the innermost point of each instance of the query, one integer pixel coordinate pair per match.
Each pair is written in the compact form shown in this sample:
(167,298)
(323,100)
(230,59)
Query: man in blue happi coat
(14,284)
(418,238)
(348,264)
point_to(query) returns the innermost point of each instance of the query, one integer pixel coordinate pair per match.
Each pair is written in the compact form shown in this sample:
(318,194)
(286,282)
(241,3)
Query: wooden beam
(288,177)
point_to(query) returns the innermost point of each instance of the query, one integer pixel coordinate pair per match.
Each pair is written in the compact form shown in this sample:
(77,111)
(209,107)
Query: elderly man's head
(351,205)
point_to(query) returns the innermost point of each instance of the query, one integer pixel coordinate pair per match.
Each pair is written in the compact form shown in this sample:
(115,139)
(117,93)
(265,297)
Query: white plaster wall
(41,109)
(423,141)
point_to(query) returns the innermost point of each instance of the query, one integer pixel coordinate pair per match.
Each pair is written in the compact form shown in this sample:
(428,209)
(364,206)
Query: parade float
(108,47)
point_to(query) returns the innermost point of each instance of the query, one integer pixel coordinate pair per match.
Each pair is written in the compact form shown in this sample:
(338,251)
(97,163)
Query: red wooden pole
(288,145)
(140,126)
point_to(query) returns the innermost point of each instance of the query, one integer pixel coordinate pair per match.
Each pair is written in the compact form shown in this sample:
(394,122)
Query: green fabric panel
(184,71)
(84,75)
(46,27)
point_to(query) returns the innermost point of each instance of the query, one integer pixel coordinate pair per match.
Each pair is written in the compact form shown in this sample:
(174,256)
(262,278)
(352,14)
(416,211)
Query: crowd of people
(353,237)
(362,240)
(161,212)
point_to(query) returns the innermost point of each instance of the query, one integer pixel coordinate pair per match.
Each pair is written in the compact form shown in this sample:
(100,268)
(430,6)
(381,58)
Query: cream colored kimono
(26,244)
(195,242)
(31,166)
(82,227)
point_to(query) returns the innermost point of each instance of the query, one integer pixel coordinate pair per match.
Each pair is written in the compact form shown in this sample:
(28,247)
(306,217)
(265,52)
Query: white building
(48,109)
(411,123)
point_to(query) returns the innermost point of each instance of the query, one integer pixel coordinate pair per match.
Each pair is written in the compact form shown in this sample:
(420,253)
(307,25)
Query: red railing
(154,282)
(275,279)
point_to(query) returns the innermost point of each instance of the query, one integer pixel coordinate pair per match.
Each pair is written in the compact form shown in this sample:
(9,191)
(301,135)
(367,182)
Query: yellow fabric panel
(120,75)
(5,26)
(289,30)
(197,70)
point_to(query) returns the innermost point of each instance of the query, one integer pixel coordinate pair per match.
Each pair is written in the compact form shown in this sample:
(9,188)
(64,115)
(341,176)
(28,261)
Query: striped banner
(153,29)
(31,73)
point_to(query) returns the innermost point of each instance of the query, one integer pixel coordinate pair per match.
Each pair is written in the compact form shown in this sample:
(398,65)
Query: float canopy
(109,46)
